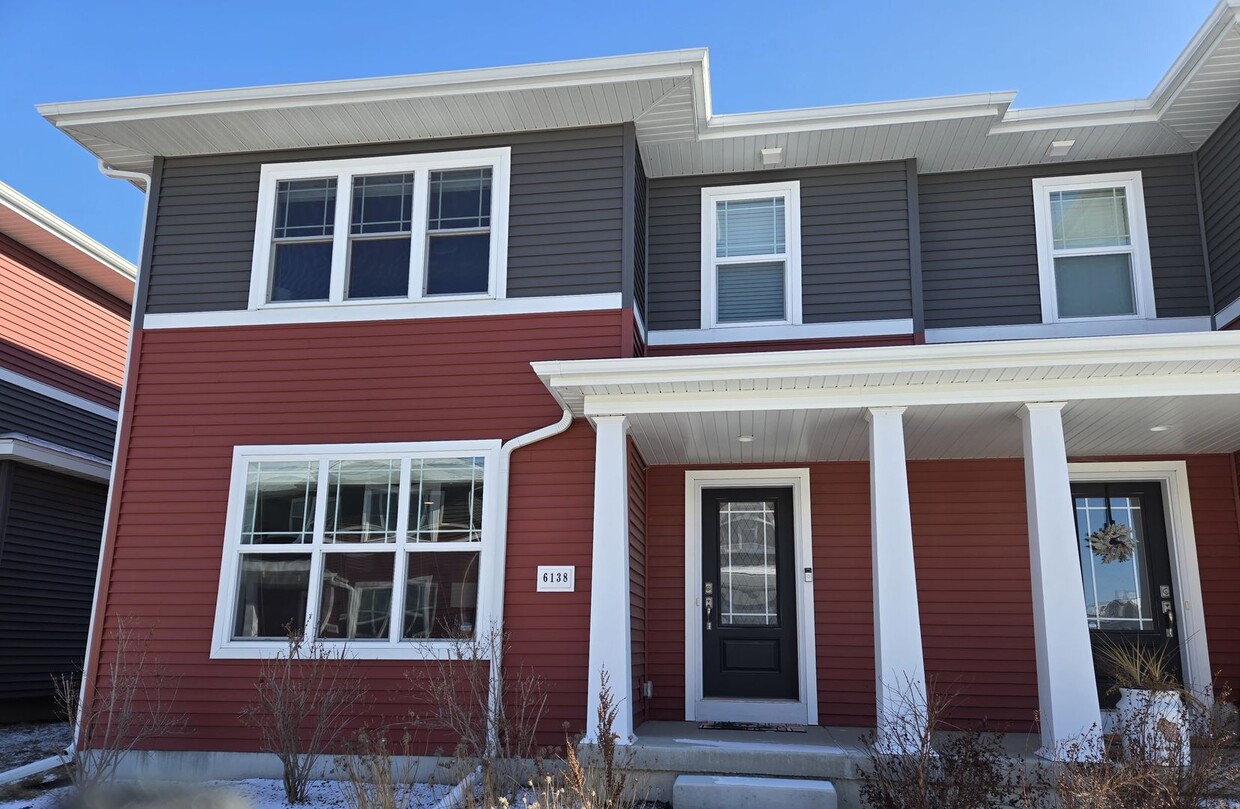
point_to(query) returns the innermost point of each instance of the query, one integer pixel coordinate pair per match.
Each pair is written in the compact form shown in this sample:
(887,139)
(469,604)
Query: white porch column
(610,644)
(899,667)
(1067,697)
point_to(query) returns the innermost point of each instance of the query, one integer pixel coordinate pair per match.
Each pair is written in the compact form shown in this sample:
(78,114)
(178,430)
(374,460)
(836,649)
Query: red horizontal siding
(58,329)
(974,590)
(198,393)
(637,576)
(779,345)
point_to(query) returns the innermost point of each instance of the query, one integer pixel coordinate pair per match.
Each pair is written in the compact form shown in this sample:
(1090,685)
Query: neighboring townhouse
(64,326)
(774,416)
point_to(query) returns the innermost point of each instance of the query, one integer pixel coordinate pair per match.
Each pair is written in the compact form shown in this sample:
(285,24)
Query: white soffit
(667,96)
(25,221)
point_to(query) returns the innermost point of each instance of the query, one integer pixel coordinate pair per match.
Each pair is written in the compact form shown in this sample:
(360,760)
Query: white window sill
(752,333)
(1100,327)
(356,650)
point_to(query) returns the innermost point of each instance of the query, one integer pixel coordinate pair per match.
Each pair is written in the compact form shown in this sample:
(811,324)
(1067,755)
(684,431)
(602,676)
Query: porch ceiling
(1092,428)
(962,399)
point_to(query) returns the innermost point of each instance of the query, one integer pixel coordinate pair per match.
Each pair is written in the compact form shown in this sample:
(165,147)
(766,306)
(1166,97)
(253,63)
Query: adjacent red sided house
(64,324)
(772,415)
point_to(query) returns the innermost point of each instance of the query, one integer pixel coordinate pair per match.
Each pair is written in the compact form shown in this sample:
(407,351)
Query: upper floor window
(751,256)
(1093,253)
(383,546)
(405,227)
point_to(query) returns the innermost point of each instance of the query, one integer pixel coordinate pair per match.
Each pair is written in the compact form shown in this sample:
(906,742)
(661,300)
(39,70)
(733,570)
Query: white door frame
(805,709)
(1182,544)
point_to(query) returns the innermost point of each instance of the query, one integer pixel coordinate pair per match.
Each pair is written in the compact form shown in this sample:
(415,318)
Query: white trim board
(46,455)
(52,392)
(1071,328)
(1182,541)
(403,310)
(802,331)
(805,710)
(1227,315)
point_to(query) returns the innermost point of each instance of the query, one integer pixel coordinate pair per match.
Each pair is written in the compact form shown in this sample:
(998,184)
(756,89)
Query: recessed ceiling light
(745,439)
(1059,148)
(1160,428)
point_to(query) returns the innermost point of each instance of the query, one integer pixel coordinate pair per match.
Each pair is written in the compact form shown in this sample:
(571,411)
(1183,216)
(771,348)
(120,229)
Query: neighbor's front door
(749,621)
(1126,568)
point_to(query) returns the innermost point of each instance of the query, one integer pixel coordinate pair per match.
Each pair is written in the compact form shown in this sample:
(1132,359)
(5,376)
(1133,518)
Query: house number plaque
(556,578)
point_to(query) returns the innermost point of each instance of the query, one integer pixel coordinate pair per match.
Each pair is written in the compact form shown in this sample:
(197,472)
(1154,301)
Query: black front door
(1126,568)
(749,621)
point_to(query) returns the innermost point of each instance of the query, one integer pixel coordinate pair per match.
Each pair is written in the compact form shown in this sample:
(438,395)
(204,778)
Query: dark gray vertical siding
(48,553)
(564,222)
(23,411)
(639,238)
(854,243)
(1218,163)
(979,249)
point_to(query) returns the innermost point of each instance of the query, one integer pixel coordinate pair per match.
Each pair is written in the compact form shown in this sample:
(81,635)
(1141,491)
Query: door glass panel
(1113,563)
(747,585)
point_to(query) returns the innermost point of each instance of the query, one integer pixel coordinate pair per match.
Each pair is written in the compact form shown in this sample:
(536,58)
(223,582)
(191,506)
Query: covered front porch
(936,502)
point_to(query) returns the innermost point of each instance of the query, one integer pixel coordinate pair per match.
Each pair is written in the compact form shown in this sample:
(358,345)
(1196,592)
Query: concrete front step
(727,791)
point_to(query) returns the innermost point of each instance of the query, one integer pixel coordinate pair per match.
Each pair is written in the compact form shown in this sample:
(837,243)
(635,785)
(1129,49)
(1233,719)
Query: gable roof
(667,96)
(27,222)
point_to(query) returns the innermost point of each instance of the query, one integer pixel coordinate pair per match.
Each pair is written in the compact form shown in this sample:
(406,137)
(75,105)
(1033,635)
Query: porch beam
(1067,698)
(610,636)
(899,666)
(930,393)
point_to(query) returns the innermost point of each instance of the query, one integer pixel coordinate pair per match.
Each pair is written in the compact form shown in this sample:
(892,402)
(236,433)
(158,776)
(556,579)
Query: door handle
(709,603)
(1169,612)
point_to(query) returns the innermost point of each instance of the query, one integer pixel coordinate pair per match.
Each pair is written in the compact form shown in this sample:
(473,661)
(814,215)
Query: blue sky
(763,56)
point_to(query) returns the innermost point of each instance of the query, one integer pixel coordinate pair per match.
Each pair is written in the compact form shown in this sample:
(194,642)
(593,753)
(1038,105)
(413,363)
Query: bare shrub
(603,781)
(494,714)
(369,776)
(941,768)
(1133,775)
(130,704)
(302,700)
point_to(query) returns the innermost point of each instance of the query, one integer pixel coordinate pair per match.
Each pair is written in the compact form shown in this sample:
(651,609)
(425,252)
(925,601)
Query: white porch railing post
(610,644)
(1067,697)
(899,666)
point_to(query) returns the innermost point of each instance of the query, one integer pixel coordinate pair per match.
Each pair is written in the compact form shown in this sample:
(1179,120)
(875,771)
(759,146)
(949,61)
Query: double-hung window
(382,229)
(385,547)
(751,257)
(1093,252)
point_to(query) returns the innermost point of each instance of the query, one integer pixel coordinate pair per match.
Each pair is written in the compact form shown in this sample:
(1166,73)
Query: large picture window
(1093,254)
(382,229)
(385,547)
(751,258)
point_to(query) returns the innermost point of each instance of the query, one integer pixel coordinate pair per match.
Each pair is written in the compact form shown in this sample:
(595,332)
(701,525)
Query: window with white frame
(403,227)
(380,546)
(751,256)
(1093,252)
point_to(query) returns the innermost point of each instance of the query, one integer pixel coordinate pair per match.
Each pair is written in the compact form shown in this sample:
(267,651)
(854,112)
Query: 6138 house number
(556,578)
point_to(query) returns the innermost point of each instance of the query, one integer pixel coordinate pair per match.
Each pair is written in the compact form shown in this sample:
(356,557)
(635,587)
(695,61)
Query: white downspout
(494,695)
(145,179)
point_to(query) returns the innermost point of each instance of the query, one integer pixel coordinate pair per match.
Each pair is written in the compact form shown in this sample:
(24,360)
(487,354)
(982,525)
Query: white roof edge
(539,74)
(92,250)
(1124,348)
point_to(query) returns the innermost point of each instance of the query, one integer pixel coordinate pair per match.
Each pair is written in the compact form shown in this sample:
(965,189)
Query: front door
(1126,567)
(749,621)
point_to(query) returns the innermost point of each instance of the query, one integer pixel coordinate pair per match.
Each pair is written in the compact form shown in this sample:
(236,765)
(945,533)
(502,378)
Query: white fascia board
(953,393)
(884,113)
(1069,328)
(25,449)
(1145,348)
(22,206)
(800,331)
(422,85)
(1199,48)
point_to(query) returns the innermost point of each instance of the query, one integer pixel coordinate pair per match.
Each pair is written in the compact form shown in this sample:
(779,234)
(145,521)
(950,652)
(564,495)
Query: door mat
(781,728)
